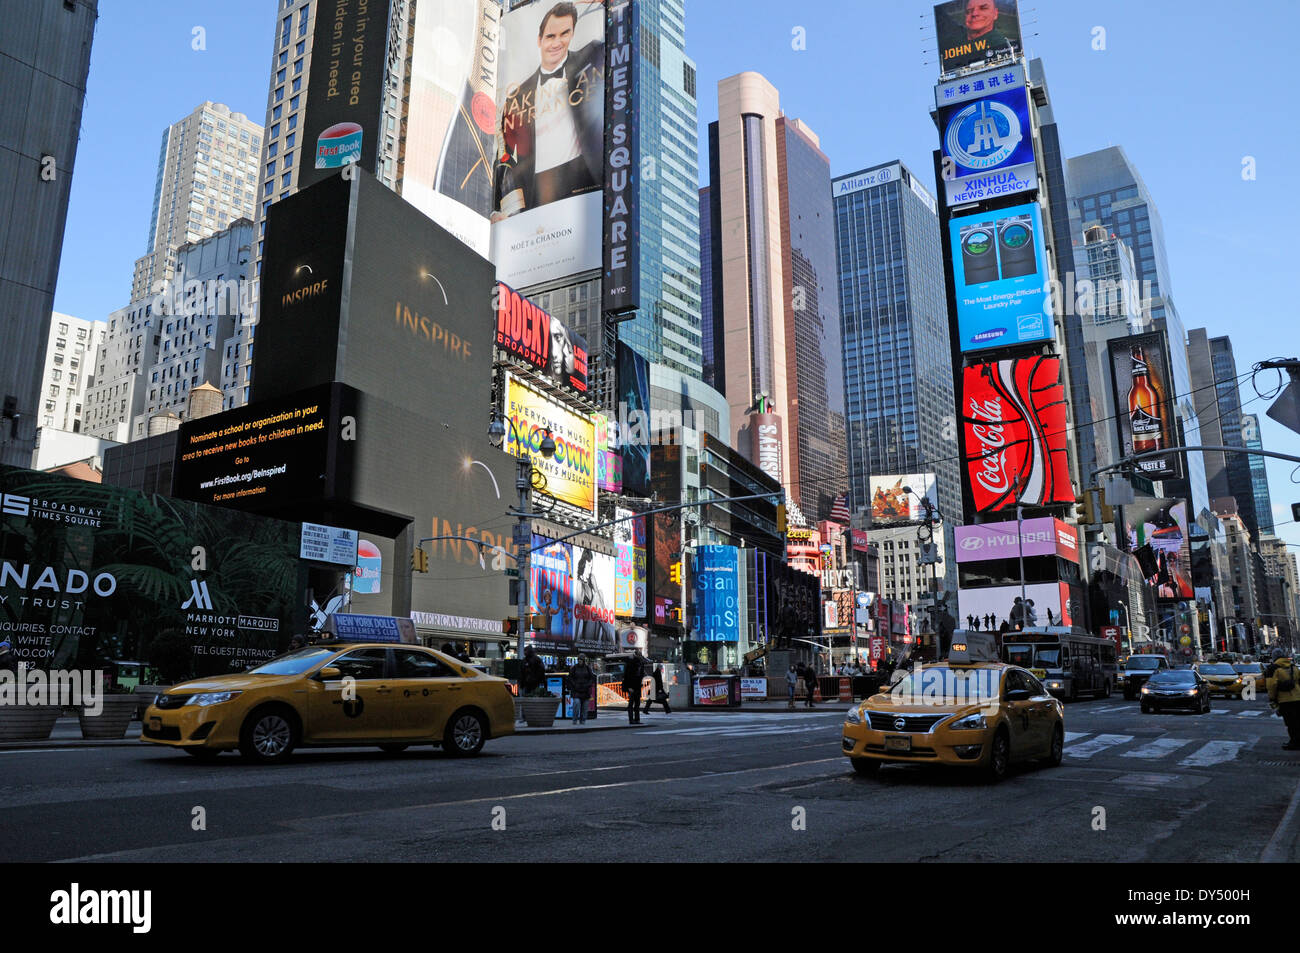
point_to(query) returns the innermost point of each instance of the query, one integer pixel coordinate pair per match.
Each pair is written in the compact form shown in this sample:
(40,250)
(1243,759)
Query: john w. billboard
(1014,427)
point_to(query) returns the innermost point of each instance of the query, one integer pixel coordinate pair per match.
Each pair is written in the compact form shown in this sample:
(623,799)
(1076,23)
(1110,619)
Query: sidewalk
(67,731)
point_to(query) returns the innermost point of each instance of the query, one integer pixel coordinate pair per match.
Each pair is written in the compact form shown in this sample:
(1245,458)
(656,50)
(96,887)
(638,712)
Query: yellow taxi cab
(970,711)
(1222,677)
(392,695)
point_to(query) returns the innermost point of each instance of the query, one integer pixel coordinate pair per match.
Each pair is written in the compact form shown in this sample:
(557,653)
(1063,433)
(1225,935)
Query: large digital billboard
(634,403)
(1042,536)
(1014,425)
(550,143)
(716,596)
(1000,276)
(571,473)
(988,148)
(345,93)
(541,340)
(621,280)
(629,566)
(1144,402)
(1043,603)
(574,586)
(891,504)
(451,124)
(263,455)
(93,572)
(1162,525)
(970,32)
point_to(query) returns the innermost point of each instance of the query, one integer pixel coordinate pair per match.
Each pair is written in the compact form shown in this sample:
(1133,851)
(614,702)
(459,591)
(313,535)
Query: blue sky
(1188,89)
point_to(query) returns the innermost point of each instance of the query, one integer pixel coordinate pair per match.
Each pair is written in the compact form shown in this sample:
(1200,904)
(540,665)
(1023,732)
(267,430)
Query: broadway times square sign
(93,573)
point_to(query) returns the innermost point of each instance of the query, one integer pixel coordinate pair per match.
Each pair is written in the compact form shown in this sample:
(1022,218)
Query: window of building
(290,139)
(288,159)
(297,84)
(293,122)
(277,112)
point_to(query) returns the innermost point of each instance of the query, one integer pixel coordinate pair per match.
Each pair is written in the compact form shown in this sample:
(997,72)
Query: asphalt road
(702,786)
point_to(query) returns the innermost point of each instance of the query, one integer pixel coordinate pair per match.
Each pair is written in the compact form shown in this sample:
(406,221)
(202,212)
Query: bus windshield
(1034,656)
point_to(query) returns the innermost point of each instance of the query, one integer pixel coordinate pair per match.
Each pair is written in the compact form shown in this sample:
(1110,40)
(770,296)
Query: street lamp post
(933,517)
(524,473)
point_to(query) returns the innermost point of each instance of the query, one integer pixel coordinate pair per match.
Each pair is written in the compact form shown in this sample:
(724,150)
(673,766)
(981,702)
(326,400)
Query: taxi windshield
(951,686)
(1218,668)
(295,663)
(1034,656)
(1253,667)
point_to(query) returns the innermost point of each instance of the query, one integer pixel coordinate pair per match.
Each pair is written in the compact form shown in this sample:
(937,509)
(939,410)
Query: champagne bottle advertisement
(453,116)
(1143,411)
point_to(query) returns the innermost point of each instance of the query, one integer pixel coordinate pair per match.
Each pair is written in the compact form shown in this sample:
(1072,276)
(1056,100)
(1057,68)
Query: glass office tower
(898,375)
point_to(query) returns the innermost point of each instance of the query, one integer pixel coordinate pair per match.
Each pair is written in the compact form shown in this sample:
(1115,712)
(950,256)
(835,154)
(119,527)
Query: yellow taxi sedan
(983,715)
(1222,677)
(354,694)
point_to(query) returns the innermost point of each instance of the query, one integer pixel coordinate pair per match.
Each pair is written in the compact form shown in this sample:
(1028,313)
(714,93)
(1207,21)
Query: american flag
(840,511)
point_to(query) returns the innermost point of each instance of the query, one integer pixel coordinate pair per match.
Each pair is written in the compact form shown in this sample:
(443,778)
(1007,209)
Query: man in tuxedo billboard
(552,123)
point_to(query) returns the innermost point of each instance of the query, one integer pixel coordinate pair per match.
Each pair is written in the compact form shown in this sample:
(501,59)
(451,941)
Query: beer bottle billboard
(1144,407)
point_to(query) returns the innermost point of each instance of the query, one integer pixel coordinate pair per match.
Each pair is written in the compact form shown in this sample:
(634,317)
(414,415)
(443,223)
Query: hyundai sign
(988,148)
(1043,536)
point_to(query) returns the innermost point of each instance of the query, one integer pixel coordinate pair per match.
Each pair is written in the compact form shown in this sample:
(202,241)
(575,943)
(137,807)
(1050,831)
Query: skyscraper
(1107,190)
(776,350)
(207,175)
(70,356)
(898,378)
(45,46)
(666,329)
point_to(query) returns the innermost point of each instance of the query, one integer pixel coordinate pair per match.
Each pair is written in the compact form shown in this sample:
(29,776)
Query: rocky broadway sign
(93,574)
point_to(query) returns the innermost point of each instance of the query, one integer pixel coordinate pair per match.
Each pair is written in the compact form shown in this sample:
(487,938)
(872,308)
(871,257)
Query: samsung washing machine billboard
(1000,265)
(988,148)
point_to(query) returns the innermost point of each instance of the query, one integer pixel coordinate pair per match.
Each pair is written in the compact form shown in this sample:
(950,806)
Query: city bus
(1067,660)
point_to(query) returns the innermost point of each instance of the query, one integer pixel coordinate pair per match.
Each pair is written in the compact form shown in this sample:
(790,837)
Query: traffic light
(1295,512)
(780,519)
(420,560)
(679,614)
(675,573)
(509,627)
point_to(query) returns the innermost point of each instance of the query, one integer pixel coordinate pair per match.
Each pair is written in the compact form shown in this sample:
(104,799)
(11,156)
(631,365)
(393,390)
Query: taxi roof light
(970,648)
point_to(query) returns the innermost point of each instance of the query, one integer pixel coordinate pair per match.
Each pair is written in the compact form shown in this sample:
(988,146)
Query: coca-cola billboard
(1014,424)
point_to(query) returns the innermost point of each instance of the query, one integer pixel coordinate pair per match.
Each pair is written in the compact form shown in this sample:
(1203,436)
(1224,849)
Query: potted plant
(112,716)
(27,722)
(539,708)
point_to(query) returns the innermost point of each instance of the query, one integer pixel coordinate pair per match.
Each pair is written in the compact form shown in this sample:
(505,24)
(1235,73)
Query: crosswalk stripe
(1158,748)
(1252,713)
(1075,735)
(1214,752)
(1086,749)
(1108,708)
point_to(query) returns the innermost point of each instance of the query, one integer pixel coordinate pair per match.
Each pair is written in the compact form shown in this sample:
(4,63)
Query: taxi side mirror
(1019,695)
(328,673)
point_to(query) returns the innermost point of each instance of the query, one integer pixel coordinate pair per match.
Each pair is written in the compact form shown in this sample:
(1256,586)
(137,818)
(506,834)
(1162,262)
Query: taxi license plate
(898,743)
(155,724)
(1038,672)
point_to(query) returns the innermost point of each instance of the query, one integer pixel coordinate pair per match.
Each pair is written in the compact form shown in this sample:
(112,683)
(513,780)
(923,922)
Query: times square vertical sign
(621,223)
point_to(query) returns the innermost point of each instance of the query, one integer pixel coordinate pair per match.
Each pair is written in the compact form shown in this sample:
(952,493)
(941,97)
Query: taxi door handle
(453,688)
(383,690)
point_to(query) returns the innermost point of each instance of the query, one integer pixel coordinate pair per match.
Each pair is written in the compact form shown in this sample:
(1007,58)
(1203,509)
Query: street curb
(820,709)
(67,743)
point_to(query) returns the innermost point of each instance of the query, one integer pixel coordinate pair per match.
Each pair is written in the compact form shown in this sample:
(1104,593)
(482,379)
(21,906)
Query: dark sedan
(1176,688)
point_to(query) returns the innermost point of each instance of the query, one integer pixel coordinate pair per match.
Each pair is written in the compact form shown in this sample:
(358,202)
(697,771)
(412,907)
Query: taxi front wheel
(999,757)
(269,735)
(867,767)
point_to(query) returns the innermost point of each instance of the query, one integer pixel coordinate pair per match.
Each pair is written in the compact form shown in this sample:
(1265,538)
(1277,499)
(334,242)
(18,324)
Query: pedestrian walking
(631,684)
(1284,695)
(791,683)
(581,681)
(810,682)
(660,695)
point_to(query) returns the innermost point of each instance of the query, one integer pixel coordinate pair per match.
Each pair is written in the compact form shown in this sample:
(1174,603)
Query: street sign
(862,600)
(523,535)
(511,572)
